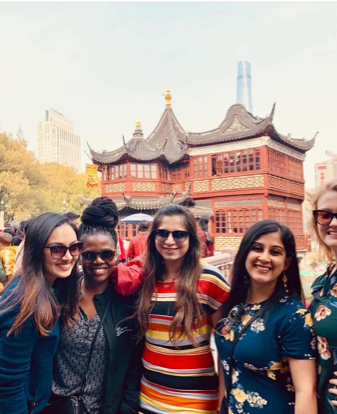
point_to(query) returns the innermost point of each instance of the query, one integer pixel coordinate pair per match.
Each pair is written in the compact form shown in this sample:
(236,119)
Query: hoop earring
(284,280)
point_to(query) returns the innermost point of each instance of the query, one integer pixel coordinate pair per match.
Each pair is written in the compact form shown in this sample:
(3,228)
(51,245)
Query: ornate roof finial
(138,131)
(168,97)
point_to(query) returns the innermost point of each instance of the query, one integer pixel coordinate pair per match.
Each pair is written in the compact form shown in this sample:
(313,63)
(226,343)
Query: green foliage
(30,188)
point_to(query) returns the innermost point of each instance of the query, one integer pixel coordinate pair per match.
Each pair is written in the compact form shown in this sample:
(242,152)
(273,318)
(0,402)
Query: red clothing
(121,247)
(128,277)
(137,245)
(203,239)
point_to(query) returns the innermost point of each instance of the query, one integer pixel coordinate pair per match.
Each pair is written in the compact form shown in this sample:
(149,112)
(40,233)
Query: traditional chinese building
(239,173)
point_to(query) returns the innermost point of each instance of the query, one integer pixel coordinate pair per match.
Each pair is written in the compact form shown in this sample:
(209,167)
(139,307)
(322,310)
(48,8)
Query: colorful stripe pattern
(181,380)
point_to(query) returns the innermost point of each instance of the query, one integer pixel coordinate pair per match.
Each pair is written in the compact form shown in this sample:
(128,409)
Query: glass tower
(244,86)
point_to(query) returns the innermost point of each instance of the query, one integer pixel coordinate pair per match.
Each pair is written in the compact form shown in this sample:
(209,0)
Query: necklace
(167,282)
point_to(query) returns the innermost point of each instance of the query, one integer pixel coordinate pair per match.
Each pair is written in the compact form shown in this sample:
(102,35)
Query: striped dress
(181,380)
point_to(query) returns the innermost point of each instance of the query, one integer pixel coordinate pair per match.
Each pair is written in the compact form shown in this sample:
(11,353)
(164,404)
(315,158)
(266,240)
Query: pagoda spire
(138,131)
(168,97)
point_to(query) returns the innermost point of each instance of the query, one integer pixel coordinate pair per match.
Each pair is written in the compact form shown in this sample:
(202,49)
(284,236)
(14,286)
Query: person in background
(266,342)
(72,217)
(122,255)
(7,254)
(323,307)
(138,243)
(202,239)
(24,225)
(113,376)
(203,222)
(30,307)
(177,307)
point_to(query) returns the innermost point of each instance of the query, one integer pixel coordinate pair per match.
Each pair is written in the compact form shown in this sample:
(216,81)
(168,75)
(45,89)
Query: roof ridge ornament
(271,116)
(138,131)
(168,97)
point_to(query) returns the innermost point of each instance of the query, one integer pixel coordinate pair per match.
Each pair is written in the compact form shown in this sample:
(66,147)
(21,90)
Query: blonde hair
(327,252)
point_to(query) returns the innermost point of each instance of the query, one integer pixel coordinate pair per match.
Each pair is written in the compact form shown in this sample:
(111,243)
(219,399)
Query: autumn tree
(30,188)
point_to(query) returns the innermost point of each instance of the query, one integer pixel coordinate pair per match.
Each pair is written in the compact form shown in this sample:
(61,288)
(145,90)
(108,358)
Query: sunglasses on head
(324,217)
(57,252)
(106,255)
(179,235)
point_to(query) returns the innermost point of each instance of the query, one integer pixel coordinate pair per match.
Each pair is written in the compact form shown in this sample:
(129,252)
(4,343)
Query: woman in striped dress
(178,306)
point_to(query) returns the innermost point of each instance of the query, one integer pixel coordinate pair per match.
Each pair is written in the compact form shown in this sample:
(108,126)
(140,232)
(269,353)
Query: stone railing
(224,262)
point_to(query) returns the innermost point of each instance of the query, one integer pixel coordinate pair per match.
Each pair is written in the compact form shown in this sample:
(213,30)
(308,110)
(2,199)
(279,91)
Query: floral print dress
(261,379)
(323,308)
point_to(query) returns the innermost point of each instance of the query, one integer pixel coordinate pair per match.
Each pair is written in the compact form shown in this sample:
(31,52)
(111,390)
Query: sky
(106,65)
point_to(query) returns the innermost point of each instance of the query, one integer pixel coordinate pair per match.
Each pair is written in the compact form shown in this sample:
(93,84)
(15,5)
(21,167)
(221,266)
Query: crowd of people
(85,328)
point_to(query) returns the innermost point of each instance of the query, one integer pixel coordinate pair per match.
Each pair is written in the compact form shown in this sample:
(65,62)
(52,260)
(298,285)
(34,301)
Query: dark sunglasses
(57,252)
(179,235)
(324,217)
(106,255)
(224,326)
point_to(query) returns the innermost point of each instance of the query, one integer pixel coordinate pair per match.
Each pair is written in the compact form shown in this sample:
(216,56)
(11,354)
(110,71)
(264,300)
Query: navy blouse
(261,379)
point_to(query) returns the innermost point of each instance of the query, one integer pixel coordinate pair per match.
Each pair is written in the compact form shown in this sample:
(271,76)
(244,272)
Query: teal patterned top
(323,309)
(261,379)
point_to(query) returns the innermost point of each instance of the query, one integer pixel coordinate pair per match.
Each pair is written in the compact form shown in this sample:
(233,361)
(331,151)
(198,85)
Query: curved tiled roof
(170,141)
(241,124)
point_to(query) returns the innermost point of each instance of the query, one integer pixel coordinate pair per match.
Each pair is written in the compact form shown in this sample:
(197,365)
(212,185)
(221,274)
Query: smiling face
(328,234)
(98,271)
(63,235)
(266,261)
(170,250)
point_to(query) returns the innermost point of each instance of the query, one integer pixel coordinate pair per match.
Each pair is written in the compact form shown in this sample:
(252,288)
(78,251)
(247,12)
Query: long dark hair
(32,292)
(101,217)
(240,286)
(187,307)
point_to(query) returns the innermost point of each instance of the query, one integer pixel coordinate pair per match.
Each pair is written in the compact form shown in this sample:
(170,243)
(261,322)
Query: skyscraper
(57,141)
(244,86)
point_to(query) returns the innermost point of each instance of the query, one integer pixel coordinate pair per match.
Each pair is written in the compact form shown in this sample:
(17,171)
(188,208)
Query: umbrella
(137,218)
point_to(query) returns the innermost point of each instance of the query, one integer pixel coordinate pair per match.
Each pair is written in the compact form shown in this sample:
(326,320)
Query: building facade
(239,173)
(57,141)
(244,86)
(325,171)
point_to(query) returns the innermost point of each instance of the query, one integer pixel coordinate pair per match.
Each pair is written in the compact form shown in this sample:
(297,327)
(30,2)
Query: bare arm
(303,373)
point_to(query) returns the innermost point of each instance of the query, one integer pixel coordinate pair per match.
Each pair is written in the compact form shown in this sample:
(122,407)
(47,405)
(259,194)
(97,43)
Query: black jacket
(125,363)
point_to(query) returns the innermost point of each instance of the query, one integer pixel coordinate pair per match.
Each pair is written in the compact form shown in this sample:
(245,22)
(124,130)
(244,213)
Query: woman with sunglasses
(44,289)
(324,290)
(113,375)
(178,306)
(266,342)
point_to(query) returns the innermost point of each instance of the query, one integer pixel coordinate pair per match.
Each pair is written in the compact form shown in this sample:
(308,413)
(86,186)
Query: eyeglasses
(106,255)
(179,235)
(57,252)
(324,217)
(224,326)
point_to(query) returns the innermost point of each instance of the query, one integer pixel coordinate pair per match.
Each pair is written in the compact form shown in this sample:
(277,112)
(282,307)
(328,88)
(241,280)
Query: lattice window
(236,162)
(236,221)
(200,166)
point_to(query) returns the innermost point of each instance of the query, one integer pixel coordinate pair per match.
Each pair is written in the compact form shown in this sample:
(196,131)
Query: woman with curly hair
(109,383)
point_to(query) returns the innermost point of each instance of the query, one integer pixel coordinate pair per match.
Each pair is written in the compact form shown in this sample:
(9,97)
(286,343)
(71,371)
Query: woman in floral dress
(324,290)
(266,342)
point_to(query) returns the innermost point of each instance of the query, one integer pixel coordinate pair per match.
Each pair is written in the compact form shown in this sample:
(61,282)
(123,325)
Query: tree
(30,188)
